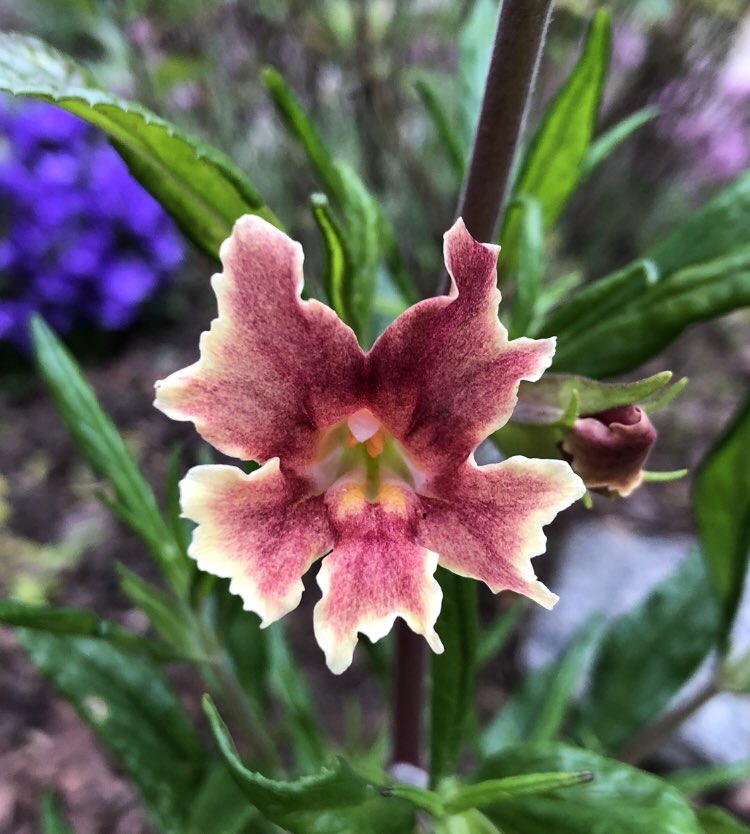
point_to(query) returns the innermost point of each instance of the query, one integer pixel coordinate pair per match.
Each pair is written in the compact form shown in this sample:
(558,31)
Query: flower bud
(608,449)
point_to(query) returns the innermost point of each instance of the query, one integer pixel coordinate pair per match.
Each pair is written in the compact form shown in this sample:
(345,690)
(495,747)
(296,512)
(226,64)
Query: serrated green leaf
(648,654)
(197,184)
(608,142)
(106,453)
(718,821)
(537,710)
(79,623)
(620,800)
(127,704)
(51,820)
(552,165)
(721,503)
(336,801)
(453,672)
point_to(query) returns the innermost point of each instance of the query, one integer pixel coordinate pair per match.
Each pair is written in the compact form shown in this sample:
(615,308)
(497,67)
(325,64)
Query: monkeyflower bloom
(609,449)
(366,457)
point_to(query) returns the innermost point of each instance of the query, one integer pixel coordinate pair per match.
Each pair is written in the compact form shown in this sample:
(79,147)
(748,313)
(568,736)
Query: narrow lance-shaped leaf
(51,820)
(452,673)
(338,268)
(552,165)
(721,503)
(127,704)
(197,184)
(80,623)
(104,450)
(608,142)
(451,143)
(530,265)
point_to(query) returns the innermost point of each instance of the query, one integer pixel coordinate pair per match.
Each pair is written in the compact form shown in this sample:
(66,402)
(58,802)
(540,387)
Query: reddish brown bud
(608,449)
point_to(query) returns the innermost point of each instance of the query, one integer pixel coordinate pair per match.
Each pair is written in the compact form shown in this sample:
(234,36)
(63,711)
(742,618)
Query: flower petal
(273,368)
(486,522)
(375,573)
(262,531)
(444,375)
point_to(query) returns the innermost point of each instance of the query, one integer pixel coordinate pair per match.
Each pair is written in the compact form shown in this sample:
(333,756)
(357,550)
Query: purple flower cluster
(81,242)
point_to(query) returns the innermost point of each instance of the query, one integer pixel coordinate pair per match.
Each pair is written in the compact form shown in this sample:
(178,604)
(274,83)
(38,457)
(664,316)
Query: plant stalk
(408,696)
(519,39)
(649,739)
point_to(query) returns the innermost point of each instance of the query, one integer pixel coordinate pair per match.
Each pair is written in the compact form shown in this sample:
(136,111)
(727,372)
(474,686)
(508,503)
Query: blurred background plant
(394,87)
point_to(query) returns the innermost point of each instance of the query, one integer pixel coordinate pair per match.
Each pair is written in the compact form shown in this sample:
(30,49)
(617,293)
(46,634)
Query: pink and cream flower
(366,457)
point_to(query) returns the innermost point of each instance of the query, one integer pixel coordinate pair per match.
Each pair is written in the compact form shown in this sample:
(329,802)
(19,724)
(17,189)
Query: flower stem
(519,38)
(408,696)
(642,744)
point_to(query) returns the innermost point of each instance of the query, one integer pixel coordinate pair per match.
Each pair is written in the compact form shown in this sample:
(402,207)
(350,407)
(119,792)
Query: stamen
(376,444)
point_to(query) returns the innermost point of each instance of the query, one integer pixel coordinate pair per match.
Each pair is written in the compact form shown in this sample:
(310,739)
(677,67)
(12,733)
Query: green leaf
(303,129)
(647,654)
(197,184)
(474,42)
(481,794)
(548,399)
(51,821)
(530,265)
(717,821)
(338,261)
(453,673)
(608,142)
(553,162)
(700,780)
(620,800)
(537,710)
(220,807)
(289,689)
(641,327)
(336,801)
(104,450)
(470,822)
(699,272)
(80,623)
(449,139)
(127,704)
(168,615)
(721,503)
(494,638)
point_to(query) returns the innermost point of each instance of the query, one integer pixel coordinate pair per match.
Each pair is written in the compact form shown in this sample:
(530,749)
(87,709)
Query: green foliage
(51,821)
(554,161)
(78,623)
(453,673)
(529,264)
(647,654)
(129,707)
(197,184)
(701,270)
(718,821)
(604,145)
(337,800)
(451,143)
(721,502)
(620,800)
(537,710)
(700,780)
(104,449)
(352,237)
(220,807)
